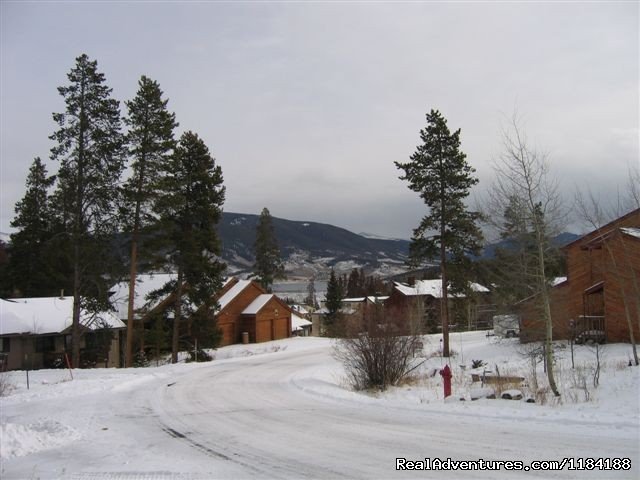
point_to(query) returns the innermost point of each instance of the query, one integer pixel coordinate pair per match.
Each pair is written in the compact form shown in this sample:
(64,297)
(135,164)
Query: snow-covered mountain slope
(311,248)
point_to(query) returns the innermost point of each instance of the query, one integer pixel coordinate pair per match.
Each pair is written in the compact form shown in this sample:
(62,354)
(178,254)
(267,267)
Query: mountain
(559,240)
(314,248)
(310,248)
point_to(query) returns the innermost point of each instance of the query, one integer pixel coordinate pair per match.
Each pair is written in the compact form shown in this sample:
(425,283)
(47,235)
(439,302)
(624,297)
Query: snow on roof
(48,315)
(145,284)
(377,299)
(300,309)
(371,298)
(433,288)
(232,293)
(297,323)
(257,304)
(557,281)
(343,310)
(632,231)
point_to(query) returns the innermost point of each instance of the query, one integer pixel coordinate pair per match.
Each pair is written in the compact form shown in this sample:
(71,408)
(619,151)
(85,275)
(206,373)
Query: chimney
(61,293)
(411,280)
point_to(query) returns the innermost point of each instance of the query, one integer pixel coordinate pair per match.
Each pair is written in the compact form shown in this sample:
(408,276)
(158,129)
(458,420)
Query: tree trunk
(75,329)
(132,293)
(548,320)
(625,300)
(176,320)
(78,227)
(444,307)
(134,264)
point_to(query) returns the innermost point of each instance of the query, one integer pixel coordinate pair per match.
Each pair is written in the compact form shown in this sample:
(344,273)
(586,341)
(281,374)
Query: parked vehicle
(507,326)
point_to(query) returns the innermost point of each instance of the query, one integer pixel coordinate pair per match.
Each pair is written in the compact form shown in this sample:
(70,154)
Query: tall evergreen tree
(189,208)
(439,172)
(268,266)
(333,303)
(30,272)
(90,151)
(5,283)
(151,142)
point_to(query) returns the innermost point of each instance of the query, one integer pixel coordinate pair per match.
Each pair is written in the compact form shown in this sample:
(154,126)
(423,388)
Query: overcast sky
(307,105)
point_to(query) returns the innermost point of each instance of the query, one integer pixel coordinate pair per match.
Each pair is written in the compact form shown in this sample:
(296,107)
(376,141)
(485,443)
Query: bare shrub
(580,382)
(477,363)
(622,365)
(541,395)
(377,359)
(5,384)
(377,353)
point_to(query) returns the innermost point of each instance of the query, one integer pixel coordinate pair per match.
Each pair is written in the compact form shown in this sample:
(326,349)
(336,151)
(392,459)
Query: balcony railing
(590,328)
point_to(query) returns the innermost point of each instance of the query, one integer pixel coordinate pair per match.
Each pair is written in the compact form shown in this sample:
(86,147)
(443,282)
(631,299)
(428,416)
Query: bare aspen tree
(633,188)
(522,174)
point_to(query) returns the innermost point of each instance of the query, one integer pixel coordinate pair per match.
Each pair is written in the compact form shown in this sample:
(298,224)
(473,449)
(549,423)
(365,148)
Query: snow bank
(612,406)
(19,440)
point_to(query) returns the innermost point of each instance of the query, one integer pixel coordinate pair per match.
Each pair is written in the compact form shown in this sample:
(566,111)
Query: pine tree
(150,141)
(90,151)
(5,283)
(189,208)
(333,303)
(30,271)
(439,172)
(353,284)
(268,266)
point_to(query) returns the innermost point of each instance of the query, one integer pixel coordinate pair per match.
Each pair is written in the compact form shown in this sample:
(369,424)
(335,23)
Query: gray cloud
(306,106)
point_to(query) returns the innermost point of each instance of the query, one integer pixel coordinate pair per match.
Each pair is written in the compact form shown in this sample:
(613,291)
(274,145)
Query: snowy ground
(282,410)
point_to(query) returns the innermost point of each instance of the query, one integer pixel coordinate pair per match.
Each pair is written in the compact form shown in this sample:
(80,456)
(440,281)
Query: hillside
(310,247)
(489,251)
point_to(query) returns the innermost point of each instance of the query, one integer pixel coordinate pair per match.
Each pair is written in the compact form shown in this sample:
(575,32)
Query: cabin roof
(433,288)
(49,315)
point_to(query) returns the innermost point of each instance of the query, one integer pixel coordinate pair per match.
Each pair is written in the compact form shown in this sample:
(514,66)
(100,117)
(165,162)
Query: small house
(300,326)
(243,308)
(420,304)
(36,333)
(353,314)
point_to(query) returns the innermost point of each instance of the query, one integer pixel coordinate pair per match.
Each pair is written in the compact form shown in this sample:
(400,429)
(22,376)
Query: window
(6,345)
(45,344)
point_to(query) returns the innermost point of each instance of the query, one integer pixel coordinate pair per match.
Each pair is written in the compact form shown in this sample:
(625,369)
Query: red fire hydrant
(446,377)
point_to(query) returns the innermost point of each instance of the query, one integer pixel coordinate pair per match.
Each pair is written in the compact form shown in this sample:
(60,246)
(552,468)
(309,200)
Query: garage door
(228,336)
(263,331)
(281,328)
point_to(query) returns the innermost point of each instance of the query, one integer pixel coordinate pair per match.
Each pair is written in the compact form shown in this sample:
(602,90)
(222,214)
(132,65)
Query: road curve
(258,418)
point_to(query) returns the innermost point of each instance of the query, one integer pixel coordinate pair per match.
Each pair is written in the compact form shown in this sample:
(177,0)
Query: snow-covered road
(280,416)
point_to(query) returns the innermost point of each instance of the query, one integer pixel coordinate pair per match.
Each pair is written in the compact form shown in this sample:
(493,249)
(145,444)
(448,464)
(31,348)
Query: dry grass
(6,386)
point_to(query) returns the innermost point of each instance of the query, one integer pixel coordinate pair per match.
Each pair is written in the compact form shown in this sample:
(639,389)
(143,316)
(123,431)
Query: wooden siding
(603,270)
(621,298)
(424,311)
(272,322)
(532,325)
(229,319)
